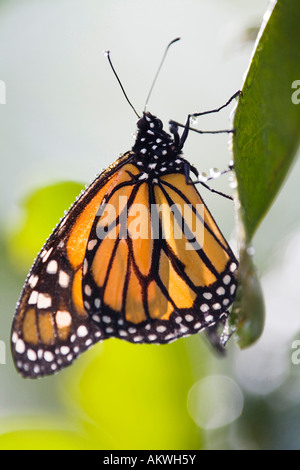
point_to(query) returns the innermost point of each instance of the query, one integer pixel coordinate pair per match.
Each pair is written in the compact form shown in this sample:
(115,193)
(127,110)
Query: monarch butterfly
(95,279)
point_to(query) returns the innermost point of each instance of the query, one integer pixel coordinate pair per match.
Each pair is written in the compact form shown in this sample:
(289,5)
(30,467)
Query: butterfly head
(149,122)
(152,141)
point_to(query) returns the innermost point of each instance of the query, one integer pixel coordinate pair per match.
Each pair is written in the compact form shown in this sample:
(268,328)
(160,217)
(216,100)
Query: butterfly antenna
(158,70)
(107,53)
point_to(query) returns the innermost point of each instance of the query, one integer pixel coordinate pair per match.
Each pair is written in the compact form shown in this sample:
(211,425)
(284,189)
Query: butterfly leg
(203,177)
(219,333)
(174,130)
(186,127)
(216,110)
(187,168)
(214,190)
(173,125)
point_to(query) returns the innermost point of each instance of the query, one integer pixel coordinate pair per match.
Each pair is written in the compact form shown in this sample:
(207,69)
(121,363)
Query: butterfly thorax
(155,149)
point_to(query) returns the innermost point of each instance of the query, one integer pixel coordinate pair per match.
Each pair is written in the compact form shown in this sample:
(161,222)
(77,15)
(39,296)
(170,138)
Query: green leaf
(42,211)
(248,311)
(267,121)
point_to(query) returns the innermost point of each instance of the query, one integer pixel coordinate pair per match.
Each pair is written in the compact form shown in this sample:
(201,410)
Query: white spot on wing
(207,295)
(20,346)
(63,279)
(82,331)
(33,280)
(220,291)
(160,328)
(44,301)
(52,267)
(87,290)
(63,318)
(48,356)
(33,297)
(204,308)
(189,317)
(46,254)
(31,354)
(91,244)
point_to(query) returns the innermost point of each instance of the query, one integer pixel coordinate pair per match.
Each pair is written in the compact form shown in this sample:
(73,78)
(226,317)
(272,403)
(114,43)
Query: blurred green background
(64,120)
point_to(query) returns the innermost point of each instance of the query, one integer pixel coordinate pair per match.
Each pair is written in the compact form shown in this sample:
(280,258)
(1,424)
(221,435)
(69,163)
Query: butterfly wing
(131,259)
(197,268)
(163,269)
(51,326)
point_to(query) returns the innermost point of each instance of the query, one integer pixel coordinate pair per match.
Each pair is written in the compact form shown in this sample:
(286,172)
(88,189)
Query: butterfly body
(122,264)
